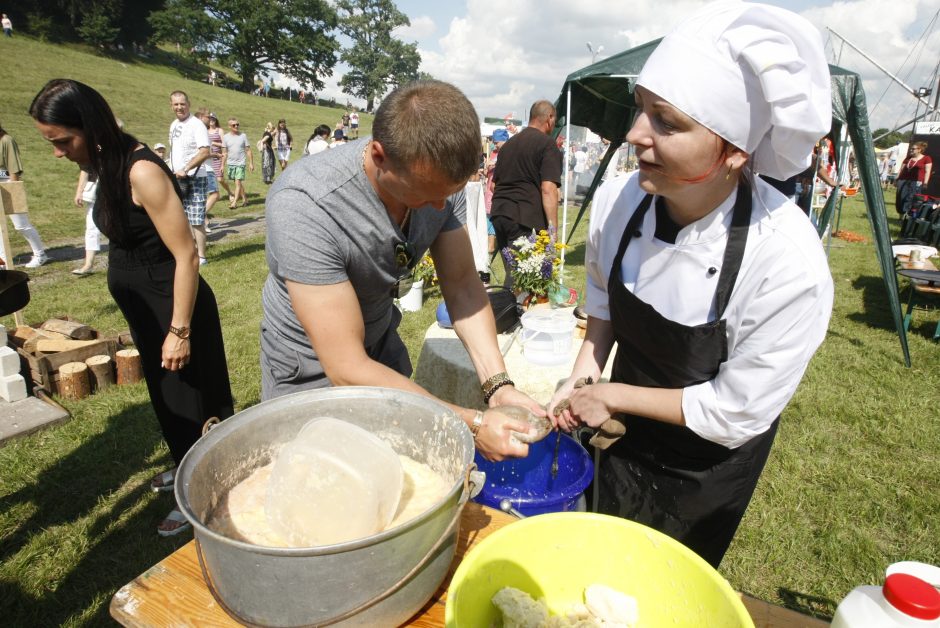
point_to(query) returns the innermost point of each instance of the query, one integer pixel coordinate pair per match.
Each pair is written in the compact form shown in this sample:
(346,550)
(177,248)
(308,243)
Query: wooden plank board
(56,345)
(98,347)
(172,592)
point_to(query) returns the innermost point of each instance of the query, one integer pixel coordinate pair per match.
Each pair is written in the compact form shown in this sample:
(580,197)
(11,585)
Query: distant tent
(601,97)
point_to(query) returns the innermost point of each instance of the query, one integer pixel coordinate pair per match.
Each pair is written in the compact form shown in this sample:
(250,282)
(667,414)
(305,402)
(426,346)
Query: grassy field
(139,94)
(851,484)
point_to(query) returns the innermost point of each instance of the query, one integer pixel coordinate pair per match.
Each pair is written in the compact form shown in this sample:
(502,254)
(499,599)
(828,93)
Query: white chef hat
(754,74)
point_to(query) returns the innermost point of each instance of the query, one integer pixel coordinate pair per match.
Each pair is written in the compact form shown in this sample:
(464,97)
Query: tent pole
(564,206)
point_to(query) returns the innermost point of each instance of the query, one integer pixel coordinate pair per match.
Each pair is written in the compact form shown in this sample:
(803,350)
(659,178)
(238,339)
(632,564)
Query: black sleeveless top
(141,244)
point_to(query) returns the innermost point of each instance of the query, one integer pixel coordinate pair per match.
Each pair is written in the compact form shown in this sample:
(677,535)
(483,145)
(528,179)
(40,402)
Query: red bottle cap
(912,596)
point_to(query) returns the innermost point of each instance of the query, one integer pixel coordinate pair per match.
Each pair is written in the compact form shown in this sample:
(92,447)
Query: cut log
(54,345)
(129,369)
(73,381)
(102,373)
(71,329)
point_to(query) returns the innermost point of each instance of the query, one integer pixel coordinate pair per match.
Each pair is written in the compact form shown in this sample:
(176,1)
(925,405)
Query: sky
(506,55)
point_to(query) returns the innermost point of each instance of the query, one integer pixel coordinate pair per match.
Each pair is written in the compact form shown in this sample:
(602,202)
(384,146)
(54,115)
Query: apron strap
(734,251)
(628,233)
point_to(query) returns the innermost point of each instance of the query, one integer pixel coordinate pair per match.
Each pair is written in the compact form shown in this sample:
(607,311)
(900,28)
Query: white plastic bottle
(907,599)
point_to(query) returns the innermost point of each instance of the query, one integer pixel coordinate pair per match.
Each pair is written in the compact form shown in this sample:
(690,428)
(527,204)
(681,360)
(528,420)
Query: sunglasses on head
(406,260)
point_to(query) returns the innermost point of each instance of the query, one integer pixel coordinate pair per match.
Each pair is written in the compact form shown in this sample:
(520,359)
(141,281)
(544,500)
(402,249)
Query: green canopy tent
(601,99)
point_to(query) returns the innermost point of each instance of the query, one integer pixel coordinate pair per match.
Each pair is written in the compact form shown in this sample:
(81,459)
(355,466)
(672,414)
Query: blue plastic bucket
(528,483)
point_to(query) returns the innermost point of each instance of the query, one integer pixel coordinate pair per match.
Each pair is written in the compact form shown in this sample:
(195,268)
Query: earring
(728,176)
(98,146)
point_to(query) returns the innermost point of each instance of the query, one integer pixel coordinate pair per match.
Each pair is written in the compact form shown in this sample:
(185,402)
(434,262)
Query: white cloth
(186,138)
(476,225)
(317,145)
(754,74)
(92,235)
(580,161)
(777,315)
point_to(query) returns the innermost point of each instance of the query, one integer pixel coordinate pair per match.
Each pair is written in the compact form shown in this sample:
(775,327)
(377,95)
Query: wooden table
(172,592)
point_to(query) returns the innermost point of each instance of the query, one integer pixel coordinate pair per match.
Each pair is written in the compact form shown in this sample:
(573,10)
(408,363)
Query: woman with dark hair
(215,153)
(913,177)
(153,271)
(265,146)
(285,143)
(317,143)
(714,285)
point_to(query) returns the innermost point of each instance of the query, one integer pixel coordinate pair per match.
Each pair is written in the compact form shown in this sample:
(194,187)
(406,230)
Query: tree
(377,60)
(97,28)
(98,22)
(289,36)
(891,139)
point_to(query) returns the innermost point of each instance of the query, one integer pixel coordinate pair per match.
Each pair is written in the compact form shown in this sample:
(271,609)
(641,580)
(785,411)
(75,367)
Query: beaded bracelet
(488,385)
(492,391)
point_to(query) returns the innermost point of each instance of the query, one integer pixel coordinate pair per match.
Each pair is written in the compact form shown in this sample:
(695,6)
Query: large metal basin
(293,587)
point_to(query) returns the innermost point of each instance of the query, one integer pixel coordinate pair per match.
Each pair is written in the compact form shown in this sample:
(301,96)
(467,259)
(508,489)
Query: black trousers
(182,400)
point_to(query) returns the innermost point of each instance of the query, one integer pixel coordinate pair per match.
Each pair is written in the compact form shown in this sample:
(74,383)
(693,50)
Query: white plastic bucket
(546,335)
(412,301)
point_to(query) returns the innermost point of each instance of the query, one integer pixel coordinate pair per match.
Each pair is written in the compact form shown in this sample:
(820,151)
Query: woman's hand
(79,201)
(589,404)
(563,420)
(175,352)
(495,440)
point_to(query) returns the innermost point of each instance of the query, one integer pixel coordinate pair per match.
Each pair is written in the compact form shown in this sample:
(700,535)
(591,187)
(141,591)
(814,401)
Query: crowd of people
(714,285)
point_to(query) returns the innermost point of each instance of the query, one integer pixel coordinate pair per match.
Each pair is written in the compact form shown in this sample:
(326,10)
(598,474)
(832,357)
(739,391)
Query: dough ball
(519,609)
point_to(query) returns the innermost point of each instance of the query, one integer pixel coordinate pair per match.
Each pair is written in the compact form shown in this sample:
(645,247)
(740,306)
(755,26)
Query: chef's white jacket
(776,317)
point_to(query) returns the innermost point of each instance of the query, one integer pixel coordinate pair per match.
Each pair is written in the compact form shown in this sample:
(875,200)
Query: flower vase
(532,300)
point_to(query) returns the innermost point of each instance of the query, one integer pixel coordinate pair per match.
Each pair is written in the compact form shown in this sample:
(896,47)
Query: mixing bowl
(556,556)
(379,580)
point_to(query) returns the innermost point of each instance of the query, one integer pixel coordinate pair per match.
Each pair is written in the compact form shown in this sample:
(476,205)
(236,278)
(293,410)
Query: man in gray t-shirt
(346,226)
(235,149)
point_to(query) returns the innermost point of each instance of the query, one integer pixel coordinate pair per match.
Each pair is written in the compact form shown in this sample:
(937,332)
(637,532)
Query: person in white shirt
(189,148)
(317,142)
(714,285)
(354,125)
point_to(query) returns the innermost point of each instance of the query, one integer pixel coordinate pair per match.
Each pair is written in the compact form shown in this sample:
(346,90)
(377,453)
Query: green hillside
(139,94)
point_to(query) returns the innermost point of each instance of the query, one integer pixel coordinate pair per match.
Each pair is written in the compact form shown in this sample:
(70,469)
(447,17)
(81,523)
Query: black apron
(663,475)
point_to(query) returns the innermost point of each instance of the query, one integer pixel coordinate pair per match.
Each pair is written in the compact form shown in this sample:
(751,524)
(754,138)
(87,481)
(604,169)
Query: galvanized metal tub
(315,586)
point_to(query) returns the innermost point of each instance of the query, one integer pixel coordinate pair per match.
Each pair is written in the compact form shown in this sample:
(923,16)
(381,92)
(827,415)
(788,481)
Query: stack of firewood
(70,358)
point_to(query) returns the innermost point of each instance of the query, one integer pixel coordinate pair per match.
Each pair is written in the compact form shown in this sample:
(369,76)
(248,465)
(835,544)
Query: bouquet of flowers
(534,263)
(425,271)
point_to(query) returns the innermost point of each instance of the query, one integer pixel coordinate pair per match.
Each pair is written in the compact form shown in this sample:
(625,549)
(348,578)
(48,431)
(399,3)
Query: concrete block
(27,416)
(13,387)
(9,362)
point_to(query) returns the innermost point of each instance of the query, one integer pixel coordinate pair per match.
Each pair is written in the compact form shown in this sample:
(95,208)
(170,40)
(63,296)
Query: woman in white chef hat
(714,285)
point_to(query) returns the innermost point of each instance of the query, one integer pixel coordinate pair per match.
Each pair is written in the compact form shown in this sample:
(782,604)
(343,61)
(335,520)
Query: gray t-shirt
(326,225)
(236,146)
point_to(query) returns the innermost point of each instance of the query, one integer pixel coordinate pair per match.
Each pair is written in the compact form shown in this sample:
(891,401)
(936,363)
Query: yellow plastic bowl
(556,556)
